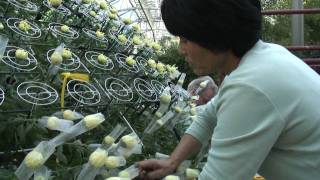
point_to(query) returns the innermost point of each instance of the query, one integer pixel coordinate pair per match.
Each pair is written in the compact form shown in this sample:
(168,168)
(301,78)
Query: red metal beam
(312,61)
(291,11)
(303,48)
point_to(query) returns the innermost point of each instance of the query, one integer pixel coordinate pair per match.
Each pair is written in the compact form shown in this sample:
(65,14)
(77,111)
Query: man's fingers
(157,174)
(147,164)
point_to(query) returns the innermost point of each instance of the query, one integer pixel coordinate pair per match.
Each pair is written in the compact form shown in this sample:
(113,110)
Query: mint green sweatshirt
(265,118)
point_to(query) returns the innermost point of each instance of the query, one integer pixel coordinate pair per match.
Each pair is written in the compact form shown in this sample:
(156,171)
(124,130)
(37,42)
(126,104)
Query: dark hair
(218,25)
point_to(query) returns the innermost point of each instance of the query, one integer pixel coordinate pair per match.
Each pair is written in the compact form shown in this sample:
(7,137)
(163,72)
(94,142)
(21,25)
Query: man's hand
(156,169)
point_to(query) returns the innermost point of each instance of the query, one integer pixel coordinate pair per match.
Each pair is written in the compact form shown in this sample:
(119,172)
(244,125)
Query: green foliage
(277,28)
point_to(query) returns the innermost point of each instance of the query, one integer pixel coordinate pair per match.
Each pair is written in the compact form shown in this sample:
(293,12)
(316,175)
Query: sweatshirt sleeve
(202,127)
(248,126)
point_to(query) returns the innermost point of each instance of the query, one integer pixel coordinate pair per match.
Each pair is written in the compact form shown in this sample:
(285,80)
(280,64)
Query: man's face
(201,60)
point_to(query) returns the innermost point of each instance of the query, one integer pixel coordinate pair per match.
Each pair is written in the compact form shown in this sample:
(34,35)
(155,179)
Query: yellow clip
(257,177)
(68,75)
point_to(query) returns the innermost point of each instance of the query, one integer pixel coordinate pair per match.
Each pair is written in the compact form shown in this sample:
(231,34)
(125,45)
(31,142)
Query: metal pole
(297,24)
(291,11)
(303,48)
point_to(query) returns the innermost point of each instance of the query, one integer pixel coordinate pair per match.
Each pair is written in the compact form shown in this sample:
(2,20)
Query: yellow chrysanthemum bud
(192,173)
(98,158)
(108,140)
(21,54)
(128,141)
(92,121)
(34,159)
(52,123)
(112,162)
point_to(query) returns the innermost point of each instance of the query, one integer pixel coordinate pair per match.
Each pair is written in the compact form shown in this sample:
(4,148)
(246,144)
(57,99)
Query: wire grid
(71,64)
(142,63)
(37,93)
(118,89)
(34,32)
(83,92)
(121,60)
(9,59)
(2,95)
(92,58)
(55,30)
(92,34)
(28,6)
(61,9)
(145,90)
(158,86)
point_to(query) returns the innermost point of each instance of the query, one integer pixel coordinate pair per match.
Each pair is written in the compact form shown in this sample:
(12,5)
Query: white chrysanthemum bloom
(103,5)
(108,140)
(113,10)
(152,63)
(112,162)
(159,122)
(93,120)
(98,158)
(122,38)
(21,54)
(193,111)
(172,177)
(128,141)
(161,67)
(192,173)
(158,114)
(52,123)
(166,99)
(124,174)
(99,34)
(177,109)
(204,84)
(136,27)
(1,26)
(127,21)
(56,58)
(193,118)
(112,15)
(39,178)
(156,46)
(130,61)
(55,3)
(69,115)
(34,159)
(64,28)
(86,1)
(102,59)
(136,40)
(117,178)
(66,53)
(24,25)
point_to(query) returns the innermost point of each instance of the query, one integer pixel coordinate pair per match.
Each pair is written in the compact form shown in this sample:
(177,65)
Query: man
(265,117)
(204,93)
